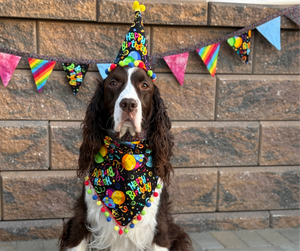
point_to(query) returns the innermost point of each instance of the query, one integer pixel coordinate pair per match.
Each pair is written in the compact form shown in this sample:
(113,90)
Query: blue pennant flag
(271,31)
(102,68)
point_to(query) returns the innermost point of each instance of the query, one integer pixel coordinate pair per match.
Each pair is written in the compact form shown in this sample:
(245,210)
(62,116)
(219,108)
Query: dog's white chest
(105,237)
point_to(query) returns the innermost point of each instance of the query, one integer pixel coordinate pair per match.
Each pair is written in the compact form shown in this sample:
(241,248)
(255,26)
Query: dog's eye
(113,83)
(145,86)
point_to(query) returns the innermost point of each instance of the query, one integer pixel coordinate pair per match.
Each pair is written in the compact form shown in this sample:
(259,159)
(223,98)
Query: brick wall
(237,135)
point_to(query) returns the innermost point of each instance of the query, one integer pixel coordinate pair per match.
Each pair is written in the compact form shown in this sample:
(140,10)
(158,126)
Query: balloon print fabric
(241,44)
(75,74)
(123,178)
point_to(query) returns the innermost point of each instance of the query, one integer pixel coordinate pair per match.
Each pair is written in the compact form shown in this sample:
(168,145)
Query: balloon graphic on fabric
(103,150)
(109,202)
(109,192)
(128,60)
(238,42)
(118,197)
(149,162)
(99,158)
(231,41)
(139,160)
(135,55)
(128,162)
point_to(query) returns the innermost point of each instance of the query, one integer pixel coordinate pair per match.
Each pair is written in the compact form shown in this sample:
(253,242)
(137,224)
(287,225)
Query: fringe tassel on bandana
(123,181)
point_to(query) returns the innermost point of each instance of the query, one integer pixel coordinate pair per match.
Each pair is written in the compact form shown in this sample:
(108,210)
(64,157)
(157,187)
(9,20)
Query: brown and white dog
(127,101)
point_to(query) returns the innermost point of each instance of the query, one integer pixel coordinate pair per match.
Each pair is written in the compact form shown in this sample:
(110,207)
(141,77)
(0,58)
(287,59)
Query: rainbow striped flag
(209,55)
(41,70)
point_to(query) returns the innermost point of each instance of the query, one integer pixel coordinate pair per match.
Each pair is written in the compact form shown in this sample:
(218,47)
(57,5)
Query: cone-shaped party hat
(133,52)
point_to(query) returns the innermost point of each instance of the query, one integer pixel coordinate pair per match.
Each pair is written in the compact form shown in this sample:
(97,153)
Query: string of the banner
(292,12)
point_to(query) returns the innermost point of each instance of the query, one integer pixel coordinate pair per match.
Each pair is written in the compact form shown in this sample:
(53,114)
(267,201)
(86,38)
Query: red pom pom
(113,66)
(141,65)
(139,217)
(103,210)
(155,194)
(120,232)
(86,183)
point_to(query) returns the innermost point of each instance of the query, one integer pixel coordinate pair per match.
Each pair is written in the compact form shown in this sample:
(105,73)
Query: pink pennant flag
(177,64)
(8,64)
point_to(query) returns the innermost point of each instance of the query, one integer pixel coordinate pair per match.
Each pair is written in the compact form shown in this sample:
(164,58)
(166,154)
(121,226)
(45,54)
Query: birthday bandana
(123,178)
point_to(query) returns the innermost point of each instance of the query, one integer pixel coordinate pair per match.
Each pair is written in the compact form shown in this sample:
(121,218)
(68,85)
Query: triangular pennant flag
(241,44)
(177,64)
(8,64)
(209,55)
(75,74)
(271,31)
(102,68)
(41,70)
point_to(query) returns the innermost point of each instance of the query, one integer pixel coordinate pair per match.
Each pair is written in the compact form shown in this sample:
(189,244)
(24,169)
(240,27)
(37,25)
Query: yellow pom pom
(86,177)
(136,6)
(142,8)
(136,63)
(134,222)
(99,203)
(151,199)
(116,228)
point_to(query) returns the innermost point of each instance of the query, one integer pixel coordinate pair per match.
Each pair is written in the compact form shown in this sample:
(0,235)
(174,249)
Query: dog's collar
(127,136)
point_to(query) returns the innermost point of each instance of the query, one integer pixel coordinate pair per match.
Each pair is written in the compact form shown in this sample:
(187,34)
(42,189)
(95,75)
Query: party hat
(133,52)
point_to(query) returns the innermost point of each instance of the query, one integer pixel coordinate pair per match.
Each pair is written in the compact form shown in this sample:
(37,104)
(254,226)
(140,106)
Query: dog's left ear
(93,130)
(160,138)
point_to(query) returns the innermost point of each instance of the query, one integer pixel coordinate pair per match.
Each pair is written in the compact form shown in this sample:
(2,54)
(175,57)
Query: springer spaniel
(126,104)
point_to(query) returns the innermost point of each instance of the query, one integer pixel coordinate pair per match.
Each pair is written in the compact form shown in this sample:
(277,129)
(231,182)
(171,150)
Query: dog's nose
(128,104)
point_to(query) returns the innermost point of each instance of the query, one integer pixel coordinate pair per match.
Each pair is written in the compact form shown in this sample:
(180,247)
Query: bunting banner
(177,60)
(271,31)
(41,70)
(75,74)
(241,44)
(177,64)
(102,68)
(8,64)
(209,55)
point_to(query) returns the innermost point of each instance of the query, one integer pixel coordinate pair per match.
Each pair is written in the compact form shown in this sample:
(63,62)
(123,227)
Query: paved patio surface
(242,240)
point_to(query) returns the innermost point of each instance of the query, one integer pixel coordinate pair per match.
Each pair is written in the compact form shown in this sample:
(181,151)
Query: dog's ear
(93,130)
(160,137)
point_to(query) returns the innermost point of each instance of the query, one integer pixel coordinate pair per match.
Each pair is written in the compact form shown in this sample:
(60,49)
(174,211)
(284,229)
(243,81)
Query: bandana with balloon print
(123,181)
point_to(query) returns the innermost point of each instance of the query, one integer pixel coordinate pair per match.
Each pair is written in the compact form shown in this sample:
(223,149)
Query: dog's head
(127,101)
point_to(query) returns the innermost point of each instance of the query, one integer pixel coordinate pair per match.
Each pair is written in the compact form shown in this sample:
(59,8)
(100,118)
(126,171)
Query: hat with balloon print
(133,52)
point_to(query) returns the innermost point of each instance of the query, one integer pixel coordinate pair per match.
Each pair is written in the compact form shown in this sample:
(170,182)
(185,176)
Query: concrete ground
(242,240)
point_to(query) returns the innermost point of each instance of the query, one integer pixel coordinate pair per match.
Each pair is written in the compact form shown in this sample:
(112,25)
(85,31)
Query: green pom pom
(143,212)
(89,191)
(126,230)
(158,186)
(106,214)
(121,63)
(150,73)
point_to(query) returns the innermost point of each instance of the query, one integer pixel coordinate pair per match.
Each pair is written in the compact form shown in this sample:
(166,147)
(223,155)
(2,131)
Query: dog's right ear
(93,130)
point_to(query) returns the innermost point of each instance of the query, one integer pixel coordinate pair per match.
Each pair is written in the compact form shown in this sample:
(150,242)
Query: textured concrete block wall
(236,154)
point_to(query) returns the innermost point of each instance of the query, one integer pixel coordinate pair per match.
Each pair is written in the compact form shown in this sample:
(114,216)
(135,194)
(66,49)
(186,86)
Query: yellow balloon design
(128,162)
(238,42)
(118,197)
(103,150)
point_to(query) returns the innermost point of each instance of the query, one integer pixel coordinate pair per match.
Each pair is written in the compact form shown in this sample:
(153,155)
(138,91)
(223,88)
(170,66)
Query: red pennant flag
(8,64)
(177,64)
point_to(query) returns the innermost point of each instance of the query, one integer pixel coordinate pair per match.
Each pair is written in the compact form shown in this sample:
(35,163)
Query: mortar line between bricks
(259,143)
(217,87)
(37,40)
(1,197)
(97,6)
(208,22)
(270,219)
(218,190)
(49,146)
